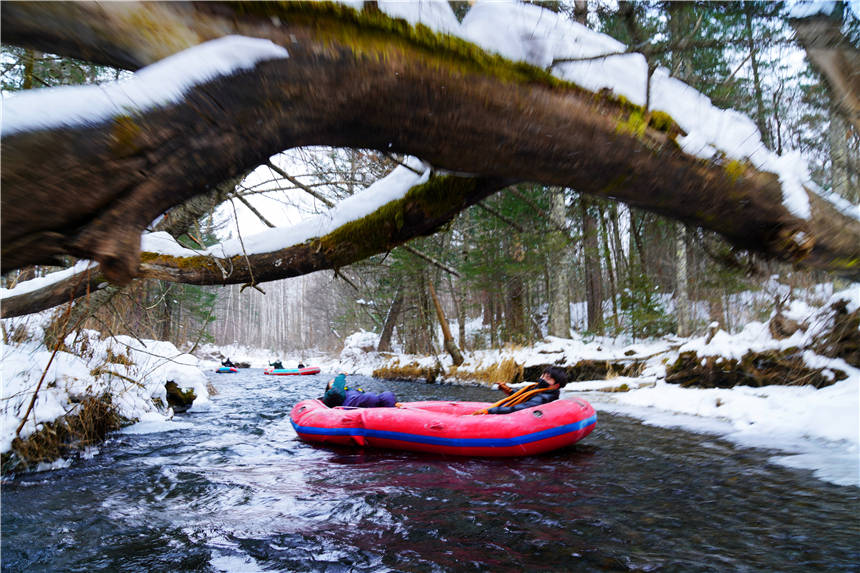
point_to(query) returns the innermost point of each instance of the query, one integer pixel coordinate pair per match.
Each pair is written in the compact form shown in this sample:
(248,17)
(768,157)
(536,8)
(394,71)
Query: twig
(430,260)
(57,346)
(492,211)
(244,252)
(255,211)
(127,327)
(349,282)
(394,158)
(161,298)
(298,184)
(203,328)
(737,69)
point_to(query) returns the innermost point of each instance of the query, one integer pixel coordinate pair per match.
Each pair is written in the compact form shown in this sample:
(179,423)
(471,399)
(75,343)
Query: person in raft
(277,365)
(337,393)
(227,363)
(546,390)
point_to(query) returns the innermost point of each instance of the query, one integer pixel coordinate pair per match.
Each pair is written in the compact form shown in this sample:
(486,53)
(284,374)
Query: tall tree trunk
(839,172)
(29,64)
(679,24)
(760,115)
(610,271)
(450,345)
(593,274)
(617,245)
(682,299)
(486,308)
(559,305)
(166,308)
(515,324)
(580,11)
(425,321)
(458,295)
(390,320)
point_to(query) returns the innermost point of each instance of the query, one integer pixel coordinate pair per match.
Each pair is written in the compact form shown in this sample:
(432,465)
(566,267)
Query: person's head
(335,391)
(555,374)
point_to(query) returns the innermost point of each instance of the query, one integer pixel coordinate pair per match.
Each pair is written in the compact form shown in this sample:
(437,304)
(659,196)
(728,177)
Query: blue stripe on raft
(450,442)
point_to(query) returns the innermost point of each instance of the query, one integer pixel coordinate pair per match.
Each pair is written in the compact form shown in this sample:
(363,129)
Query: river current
(235,490)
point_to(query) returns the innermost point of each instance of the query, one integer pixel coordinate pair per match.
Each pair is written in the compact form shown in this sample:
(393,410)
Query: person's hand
(480,412)
(398,404)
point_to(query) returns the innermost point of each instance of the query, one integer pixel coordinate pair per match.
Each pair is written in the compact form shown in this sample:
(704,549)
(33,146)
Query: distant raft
(292,371)
(447,427)
(227,370)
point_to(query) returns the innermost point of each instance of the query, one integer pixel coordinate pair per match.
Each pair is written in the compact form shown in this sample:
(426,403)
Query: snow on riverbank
(132,371)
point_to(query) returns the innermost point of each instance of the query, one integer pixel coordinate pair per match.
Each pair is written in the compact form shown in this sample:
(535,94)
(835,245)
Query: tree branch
(436,98)
(423,210)
(836,58)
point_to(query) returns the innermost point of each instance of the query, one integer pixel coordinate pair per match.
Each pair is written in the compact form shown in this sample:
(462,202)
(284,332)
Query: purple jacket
(358,399)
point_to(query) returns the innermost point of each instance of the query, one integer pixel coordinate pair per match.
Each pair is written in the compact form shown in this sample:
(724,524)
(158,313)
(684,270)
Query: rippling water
(238,492)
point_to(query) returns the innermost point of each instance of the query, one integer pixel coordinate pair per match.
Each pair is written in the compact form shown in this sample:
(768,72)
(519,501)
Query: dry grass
(17,335)
(411,371)
(507,371)
(118,358)
(93,418)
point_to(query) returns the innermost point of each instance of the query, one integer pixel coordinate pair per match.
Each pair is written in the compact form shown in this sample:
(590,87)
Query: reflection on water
(238,492)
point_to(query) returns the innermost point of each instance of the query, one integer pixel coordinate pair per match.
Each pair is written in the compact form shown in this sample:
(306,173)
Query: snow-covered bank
(133,372)
(816,429)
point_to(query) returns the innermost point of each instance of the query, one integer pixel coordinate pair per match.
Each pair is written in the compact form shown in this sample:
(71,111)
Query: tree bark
(410,94)
(390,321)
(835,56)
(760,115)
(593,271)
(612,271)
(450,345)
(421,213)
(679,23)
(559,305)
(682,299)
(839,170)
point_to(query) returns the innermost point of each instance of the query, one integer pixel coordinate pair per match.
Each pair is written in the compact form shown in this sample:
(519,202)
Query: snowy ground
(807,428)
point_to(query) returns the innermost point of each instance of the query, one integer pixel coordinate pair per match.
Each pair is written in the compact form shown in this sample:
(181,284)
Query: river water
(236,491)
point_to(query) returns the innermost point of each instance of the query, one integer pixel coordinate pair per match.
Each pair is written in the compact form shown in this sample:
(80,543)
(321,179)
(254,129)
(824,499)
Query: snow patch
(160,84)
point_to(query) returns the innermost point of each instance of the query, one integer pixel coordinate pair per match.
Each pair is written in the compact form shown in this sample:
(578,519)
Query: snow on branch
(162,83)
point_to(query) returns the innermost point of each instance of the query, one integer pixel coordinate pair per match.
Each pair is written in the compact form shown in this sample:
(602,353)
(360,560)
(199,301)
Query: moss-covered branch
(420,212)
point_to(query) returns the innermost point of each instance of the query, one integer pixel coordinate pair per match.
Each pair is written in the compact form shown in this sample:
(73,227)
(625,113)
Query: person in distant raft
(227,363)
(337,393)
(546,390)
(276,365)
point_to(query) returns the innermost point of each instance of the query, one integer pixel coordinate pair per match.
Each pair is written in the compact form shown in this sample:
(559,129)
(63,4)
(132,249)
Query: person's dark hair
(558,374)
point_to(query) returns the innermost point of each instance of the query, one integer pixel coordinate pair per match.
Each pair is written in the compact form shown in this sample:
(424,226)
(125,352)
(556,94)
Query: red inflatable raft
(292,371)
(447,427)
